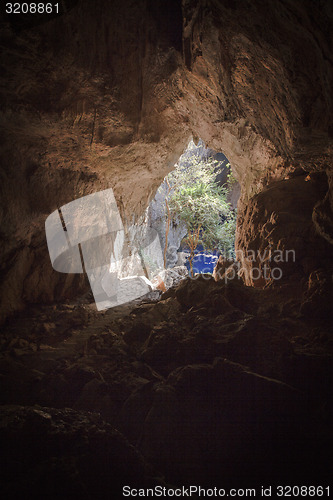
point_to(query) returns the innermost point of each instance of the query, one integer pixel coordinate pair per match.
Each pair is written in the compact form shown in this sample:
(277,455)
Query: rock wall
(276,232)
(108,95)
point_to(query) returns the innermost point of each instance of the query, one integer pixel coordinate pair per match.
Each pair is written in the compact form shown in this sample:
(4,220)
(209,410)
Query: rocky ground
(214,384)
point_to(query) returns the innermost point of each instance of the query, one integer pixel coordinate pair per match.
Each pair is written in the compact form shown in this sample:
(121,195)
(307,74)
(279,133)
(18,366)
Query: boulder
(222,421)
(53,453)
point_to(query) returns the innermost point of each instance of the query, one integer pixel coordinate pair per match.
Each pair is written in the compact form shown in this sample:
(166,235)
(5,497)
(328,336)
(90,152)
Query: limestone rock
(115,101)
(221,267)
(170,277)
(276,232)
(52,453)
(243,427)
(317,304)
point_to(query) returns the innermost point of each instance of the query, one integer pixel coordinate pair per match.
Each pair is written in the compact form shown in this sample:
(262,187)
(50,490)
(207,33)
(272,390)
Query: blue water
(202,263)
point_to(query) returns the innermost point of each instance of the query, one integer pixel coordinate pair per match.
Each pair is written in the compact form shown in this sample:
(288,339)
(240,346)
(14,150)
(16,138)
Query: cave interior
(220,381)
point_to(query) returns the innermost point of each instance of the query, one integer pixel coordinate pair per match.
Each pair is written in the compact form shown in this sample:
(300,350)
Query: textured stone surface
(221,267)
(52,453)
(219,384)
(115,99)
(246,419)
(276,229)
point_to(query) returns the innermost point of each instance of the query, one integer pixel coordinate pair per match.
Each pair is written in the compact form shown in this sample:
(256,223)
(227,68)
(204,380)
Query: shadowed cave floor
(214,384)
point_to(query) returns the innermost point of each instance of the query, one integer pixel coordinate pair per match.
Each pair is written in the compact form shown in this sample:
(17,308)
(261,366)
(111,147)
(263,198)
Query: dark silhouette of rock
(52,453)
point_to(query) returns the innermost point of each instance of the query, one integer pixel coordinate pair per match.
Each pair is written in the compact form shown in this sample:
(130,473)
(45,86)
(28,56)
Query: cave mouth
(189,225)
(214,383)
(194,211)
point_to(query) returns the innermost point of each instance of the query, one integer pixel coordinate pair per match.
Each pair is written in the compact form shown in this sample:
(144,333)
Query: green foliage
(231,178)
(226,236)
(195,199)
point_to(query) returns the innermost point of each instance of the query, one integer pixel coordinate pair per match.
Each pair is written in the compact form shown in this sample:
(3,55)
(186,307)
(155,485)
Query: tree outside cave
(198,202)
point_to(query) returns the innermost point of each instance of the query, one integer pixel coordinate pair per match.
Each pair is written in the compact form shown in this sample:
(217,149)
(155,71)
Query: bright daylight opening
(194,213)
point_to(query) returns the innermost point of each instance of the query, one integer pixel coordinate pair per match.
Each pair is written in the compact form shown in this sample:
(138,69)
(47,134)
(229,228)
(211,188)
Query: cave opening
(194,211)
